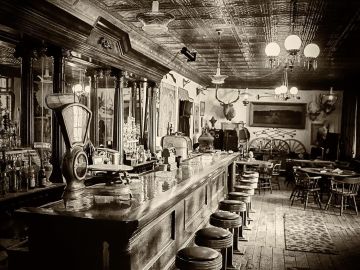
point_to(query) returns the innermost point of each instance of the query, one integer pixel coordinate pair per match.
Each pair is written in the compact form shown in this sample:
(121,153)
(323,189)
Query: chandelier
(283,92)
(292,45)
(218,78)
(155,22)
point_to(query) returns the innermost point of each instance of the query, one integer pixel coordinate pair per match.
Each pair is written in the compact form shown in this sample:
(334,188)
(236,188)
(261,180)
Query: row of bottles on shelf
(9,131)
(20,175)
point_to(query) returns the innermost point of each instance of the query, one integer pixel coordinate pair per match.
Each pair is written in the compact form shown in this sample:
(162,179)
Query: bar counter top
(152,192)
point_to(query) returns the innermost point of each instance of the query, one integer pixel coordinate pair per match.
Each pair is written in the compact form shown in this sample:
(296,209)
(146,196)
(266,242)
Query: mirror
(10,87)
(43,86)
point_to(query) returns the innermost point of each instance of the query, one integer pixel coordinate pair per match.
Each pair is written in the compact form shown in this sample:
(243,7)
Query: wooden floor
(266,246)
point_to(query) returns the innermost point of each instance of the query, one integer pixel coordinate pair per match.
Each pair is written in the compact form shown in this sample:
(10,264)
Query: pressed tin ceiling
(248,25)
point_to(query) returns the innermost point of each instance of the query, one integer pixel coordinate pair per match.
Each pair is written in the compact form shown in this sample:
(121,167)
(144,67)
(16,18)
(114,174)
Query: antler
(216,95)
(236,98)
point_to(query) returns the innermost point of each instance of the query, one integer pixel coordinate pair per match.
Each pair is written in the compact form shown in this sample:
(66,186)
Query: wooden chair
(275,175)
(306,185)
(265,176)
(295,181)
(345,188)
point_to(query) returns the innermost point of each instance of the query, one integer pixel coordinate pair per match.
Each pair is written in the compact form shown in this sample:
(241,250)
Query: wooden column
(59,56)
(147,97)
(94,105)
(141,117)
(152,117)
(27,53)
(118,112)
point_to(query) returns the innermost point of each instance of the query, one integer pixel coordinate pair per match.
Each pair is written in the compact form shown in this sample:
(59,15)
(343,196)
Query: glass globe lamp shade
(272,49)
(292,43)
(277,91)
(283,89)
(77,88)
(87,89)
(293,90)
(312,50)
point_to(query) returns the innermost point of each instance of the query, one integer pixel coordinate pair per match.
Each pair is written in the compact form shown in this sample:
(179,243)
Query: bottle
(18,173)
(42,177)
(24,176)
(13,181)
(31,175)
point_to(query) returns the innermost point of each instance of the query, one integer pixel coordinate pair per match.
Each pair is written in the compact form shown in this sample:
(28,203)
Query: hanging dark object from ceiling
(191,56)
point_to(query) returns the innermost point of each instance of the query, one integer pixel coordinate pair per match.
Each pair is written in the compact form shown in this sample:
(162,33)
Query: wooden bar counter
(101,231)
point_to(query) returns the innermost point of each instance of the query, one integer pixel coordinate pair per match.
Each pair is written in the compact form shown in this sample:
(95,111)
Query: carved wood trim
(104,42)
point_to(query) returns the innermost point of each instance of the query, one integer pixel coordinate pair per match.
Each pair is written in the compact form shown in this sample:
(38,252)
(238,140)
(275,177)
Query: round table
(329,172)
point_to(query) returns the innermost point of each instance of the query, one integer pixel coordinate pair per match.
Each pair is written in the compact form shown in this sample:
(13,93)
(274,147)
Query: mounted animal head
(228,108)
(313,110)
(327,102)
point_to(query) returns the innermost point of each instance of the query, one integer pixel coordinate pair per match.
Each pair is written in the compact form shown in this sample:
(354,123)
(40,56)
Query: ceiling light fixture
(283,92)
(155,22)
(218,78)
(292,45)
(246,95)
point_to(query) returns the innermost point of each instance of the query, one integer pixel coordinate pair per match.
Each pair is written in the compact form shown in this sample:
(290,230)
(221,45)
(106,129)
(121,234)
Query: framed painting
(202,108)
(277,115)
(314,131)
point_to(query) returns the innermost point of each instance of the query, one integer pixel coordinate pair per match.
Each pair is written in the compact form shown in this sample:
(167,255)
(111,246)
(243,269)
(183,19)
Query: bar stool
(216,238)
(250,179)
(239,208)
(198,258)
(242,197)
(226,220)
(246,190)
(251,173)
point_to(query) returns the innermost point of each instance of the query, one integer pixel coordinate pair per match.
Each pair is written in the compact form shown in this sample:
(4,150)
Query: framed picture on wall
(202,108)
(277,115)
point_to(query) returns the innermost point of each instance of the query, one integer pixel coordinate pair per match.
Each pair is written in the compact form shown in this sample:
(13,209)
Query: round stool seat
(240,196)
(251,178)
(232,206)
(248,183)
(244,189)
(214,237)
(226,220)
(198,258)
(251,173)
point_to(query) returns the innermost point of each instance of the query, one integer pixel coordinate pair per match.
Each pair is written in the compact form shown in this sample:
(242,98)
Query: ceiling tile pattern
(248,25)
